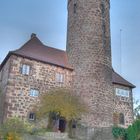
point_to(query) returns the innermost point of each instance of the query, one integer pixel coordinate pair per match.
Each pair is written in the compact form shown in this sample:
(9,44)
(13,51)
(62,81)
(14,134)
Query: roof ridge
(26,43)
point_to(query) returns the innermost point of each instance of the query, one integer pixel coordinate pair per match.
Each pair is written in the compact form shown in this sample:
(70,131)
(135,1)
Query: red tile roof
(36,50)
(117,79)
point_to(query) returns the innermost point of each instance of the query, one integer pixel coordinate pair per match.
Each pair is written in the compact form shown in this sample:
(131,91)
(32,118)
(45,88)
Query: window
(122,92)
(25,69)
(59,77)
(20,93)
(75,7)
(104,29)
(103,9)
(32,116)
(34,92)
(121,118)
(1,75)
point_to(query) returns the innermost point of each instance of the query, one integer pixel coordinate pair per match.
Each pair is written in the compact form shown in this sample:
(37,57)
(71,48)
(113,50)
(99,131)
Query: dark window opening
(104,34)
(62,124)
(104,28)
(75,7)
(32,116)
(74,123)
(102,8)
(121,119)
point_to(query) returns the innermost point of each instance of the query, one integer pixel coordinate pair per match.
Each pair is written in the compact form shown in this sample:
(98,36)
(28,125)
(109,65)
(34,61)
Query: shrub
(119,132)
(133,131)
(13,136)
(14,128)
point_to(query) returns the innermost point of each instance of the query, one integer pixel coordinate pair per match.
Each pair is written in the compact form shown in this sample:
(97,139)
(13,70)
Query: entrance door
(62,125)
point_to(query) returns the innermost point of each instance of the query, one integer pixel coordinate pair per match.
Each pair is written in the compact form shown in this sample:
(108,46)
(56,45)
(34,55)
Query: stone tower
(89,52)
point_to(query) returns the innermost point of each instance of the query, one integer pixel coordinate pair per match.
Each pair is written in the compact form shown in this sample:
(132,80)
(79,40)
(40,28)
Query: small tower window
(75,7)
(103,9)
(121,118)
(104,29)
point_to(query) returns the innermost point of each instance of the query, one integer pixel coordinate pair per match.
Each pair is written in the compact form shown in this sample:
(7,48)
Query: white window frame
(25,70)
(59,77)
(34,92)
(122,92)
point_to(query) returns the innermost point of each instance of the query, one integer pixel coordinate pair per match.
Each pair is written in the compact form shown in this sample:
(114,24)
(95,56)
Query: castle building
(85,67)
(35,68)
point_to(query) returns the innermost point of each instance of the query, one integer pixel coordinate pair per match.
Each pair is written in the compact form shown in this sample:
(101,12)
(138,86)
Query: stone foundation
(87,133)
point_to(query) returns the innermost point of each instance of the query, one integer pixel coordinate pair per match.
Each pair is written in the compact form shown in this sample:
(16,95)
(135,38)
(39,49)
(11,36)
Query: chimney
(33,35)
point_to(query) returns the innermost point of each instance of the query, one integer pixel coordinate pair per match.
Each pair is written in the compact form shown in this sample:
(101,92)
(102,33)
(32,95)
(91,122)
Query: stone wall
(42,77)
(48,136)
(124,105)
(96,133)
(4,75)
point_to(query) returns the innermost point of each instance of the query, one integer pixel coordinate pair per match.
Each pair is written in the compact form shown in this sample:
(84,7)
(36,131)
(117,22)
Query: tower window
(103,9)
(121,118)
(75,7)
(104,29)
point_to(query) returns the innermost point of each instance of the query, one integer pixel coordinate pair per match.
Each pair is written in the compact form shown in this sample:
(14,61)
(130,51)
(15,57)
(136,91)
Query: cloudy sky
(48,19)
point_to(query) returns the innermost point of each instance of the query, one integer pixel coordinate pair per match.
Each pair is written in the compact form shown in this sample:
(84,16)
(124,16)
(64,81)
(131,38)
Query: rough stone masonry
(89,52)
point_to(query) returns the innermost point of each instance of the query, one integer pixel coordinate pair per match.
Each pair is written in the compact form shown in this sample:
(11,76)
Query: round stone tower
(89,52)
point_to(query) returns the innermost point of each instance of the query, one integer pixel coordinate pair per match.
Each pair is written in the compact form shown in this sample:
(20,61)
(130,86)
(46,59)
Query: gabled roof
(36,50)
(117,79)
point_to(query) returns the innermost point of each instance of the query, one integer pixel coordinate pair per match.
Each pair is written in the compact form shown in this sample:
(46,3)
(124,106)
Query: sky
(48,19)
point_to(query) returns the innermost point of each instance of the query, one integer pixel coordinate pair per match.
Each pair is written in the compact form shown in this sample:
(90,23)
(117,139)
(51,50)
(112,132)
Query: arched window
(121,119)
